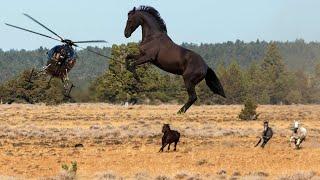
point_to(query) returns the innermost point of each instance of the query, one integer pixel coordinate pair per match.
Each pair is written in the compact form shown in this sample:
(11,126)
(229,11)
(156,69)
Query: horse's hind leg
(265,141)
(175,146)
(192,98)
(169,146)
(191,78)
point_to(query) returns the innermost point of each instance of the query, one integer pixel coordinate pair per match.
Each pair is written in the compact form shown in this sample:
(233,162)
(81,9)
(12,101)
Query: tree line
(268,73)
(87,68)
(268,81)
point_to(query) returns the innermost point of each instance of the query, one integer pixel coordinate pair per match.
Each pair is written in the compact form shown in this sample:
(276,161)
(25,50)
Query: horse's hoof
(180,112)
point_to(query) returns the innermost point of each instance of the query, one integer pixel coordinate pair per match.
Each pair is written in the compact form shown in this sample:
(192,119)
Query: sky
(201,21)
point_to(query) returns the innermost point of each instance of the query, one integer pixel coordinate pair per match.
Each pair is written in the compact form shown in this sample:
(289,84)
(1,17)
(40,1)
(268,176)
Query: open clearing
(35,140)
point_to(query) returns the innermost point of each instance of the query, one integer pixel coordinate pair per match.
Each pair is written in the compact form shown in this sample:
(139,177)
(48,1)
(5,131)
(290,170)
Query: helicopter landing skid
(36,74)
(30,76)
(48,84)
(68,91)
(65,81)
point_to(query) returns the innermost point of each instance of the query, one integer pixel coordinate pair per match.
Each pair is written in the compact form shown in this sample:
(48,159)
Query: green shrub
(69,172)
(249,110)
(19,90)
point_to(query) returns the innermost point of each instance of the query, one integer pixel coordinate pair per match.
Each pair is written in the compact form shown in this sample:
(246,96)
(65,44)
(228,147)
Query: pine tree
(273,63)
(275,75)
(235,83)
(249,110)
(257,89)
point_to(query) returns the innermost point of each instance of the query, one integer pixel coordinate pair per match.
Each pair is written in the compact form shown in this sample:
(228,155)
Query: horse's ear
(134,9)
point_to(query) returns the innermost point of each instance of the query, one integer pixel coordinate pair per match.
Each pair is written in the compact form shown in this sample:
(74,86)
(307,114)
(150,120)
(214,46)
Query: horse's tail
(214,83)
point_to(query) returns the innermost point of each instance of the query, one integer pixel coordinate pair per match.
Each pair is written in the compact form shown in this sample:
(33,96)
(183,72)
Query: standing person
(299,134)
(266,134)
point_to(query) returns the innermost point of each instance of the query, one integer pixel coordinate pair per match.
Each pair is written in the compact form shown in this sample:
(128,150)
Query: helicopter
(61,58)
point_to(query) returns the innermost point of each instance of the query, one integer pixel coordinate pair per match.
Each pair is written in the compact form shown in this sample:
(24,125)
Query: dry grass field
(123,142)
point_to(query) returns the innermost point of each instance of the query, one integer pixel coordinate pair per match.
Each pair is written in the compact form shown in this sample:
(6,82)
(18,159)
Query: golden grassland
(119,141)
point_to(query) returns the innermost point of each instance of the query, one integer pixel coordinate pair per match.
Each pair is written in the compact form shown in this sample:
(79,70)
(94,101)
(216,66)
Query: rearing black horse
(157,47)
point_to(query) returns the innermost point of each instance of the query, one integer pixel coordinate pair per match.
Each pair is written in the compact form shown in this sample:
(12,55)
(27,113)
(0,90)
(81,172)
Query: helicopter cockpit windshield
(62,53)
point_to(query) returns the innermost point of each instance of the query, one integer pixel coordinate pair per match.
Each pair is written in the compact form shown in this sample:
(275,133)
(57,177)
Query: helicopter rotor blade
(100,54)
(32,31)
(91,41)
(43,26)
(94,52)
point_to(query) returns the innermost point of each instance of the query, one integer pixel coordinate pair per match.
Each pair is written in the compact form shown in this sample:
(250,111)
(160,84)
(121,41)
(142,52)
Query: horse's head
(165,127)
(265,124)
(296,124)
(133,22)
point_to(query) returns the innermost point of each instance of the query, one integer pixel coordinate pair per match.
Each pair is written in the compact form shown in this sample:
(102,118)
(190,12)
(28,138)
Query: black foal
(169,136)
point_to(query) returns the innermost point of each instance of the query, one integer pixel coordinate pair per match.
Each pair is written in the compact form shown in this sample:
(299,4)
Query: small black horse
(157,48)
(266,134)
(169,136)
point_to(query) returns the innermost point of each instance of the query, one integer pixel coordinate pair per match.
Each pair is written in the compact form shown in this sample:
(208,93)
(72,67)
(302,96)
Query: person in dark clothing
(266,134)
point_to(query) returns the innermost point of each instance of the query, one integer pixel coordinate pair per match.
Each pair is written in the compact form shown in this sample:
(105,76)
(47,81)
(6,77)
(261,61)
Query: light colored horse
(298,135)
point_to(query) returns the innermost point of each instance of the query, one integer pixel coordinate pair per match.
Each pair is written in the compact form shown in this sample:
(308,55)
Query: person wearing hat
(299,134)
(266,134)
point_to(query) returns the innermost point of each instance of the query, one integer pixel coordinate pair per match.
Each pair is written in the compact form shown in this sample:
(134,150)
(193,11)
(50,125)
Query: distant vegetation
(297,55)
(87,68)
(267,73)
(249,111)
(20,90)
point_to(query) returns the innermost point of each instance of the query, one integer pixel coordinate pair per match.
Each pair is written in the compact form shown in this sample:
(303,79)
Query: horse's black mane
(155,14)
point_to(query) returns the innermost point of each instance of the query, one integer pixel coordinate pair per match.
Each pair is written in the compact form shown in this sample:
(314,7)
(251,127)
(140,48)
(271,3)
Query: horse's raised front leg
(130,58)
(142,60)
(139,59)
(130,65)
